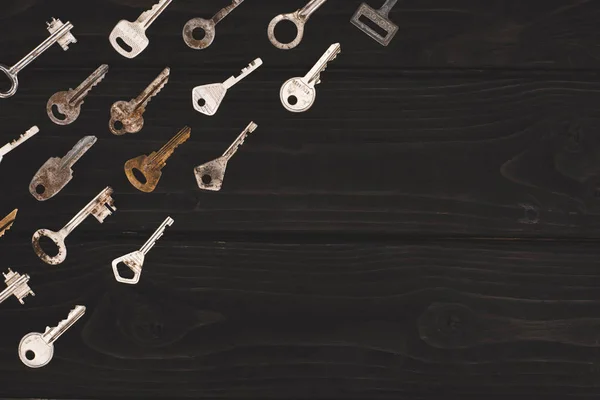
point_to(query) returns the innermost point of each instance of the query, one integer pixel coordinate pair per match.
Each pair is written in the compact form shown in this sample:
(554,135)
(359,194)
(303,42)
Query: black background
(429,228)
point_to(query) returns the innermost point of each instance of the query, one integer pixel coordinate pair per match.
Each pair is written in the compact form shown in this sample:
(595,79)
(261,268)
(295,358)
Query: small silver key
(7,148)
(59,33)
(129,38)
(206,99)
(68,103)
(100,207)
(37,349)
(17,286)
(135,260)
(378,17)
(299,94)
(56,173)
(207,25)
(210,175)
(298,18)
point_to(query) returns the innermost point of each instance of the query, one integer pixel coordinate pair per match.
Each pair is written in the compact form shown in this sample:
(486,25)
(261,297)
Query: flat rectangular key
(16,285)
(7,148)
(7,222)
(100,207)
(379,18)
(206,99)
(298,18)
(207,25)
(57,172)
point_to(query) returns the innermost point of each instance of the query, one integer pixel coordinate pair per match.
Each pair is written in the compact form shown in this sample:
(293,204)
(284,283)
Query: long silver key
(206,99)
(7,148)
(135,260)
(299,94)
(16,286)
(100,207)
(298,18)
(64,107)
(129,38)
(57,172)
(37,349)
(378,17)
(59,33)
(207,25)
(210,175)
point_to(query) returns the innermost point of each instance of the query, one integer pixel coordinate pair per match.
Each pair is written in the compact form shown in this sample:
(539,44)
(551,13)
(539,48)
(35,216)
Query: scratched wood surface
(428,229)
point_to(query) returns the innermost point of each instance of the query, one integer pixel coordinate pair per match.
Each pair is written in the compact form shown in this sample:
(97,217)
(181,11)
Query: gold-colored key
(8,221)
(144,172)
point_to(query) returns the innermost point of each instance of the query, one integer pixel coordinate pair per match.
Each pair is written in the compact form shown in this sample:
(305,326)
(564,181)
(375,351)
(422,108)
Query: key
(206,99)
(68,103)
(299,94)
(210,175)
(207,25)
(127,116)
(7,222)
(16,286)
(56,173)
(59,33)
(299,18)
(37,349)
(377,17)
(129,38)
(7,148)
(135,260)
(149,167)
(100,207)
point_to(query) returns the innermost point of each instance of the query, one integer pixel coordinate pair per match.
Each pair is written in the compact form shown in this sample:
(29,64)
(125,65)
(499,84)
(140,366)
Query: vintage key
(100,207)
(59,33)
(298,18)
(149,167)
(206,99)
(54,175)
(37,349)
(7,148)
(135,260)
(129,38)
(299,94)
(210,175)
(68,103)
(7,222)
(207,25)
(16,285)
(377,17)
(127,116)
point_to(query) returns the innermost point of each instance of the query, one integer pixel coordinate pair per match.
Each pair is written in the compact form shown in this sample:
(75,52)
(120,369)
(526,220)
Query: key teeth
(95,83)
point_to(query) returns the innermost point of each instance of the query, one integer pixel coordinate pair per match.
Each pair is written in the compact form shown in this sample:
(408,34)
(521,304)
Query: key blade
(253,66)
(7,222)
(225,11)
(51,334)
(207,99)
(153,89)
(239,141)
(84,89)
(7,148)
(156,235)
(78,151)
(161,156)
(313,76)
(148,17)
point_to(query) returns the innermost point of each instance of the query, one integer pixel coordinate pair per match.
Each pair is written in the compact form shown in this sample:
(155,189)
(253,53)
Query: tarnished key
(7,148)
(64,108)
(299,94)
(7,222)
(206,99)
(210,175)
(378,17)
(149,167)
(127,116)
(135,260)
(129,38)
(37,349)
(54,175)
(59,33)
(298,18)
(207,25)
(16,286)
(100,207)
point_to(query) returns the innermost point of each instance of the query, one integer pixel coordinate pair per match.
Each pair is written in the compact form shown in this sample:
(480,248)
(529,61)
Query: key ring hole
(40,189)
(123,45)
(286,31)
(292,100)
(118,125)
(201,102)
(5,90)
(48,246)
(299,25)
(125,272)
(199,33)
(207,179)
(30,355)
(139,175)
(57,114)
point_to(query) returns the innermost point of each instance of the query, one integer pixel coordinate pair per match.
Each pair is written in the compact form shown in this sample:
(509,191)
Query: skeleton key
(377,17)
(129,38)
(135,260)
(17,286)
(207,25)
(100,207)
(7,222)
(37,349)
(56,173)
(68,103)
(149,167)
(298,18)
(7,148)
(127,116)
(210,175)
(206,99)
(299,94)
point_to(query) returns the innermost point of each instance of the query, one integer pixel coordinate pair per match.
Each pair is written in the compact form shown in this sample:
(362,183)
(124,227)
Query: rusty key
(379,18)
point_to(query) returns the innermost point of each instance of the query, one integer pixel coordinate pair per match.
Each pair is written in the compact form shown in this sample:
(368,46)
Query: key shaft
(312,77)
(7,148)
(147,18)
(239,141)
(53,333)
(84,88)
(17,286)
(161,156)
(156,236)
(253,66)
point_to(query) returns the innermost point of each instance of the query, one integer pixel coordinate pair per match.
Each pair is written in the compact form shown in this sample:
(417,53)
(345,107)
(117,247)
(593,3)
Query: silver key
(206,99)
(299,94)
(100,207)
(68,103)
(56,173)
(210,175)
(298,18)
(37,349)
(207,25)
(129,38)
(135,260)
(17,286)
(59,33)
(7,148)
(378,17)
